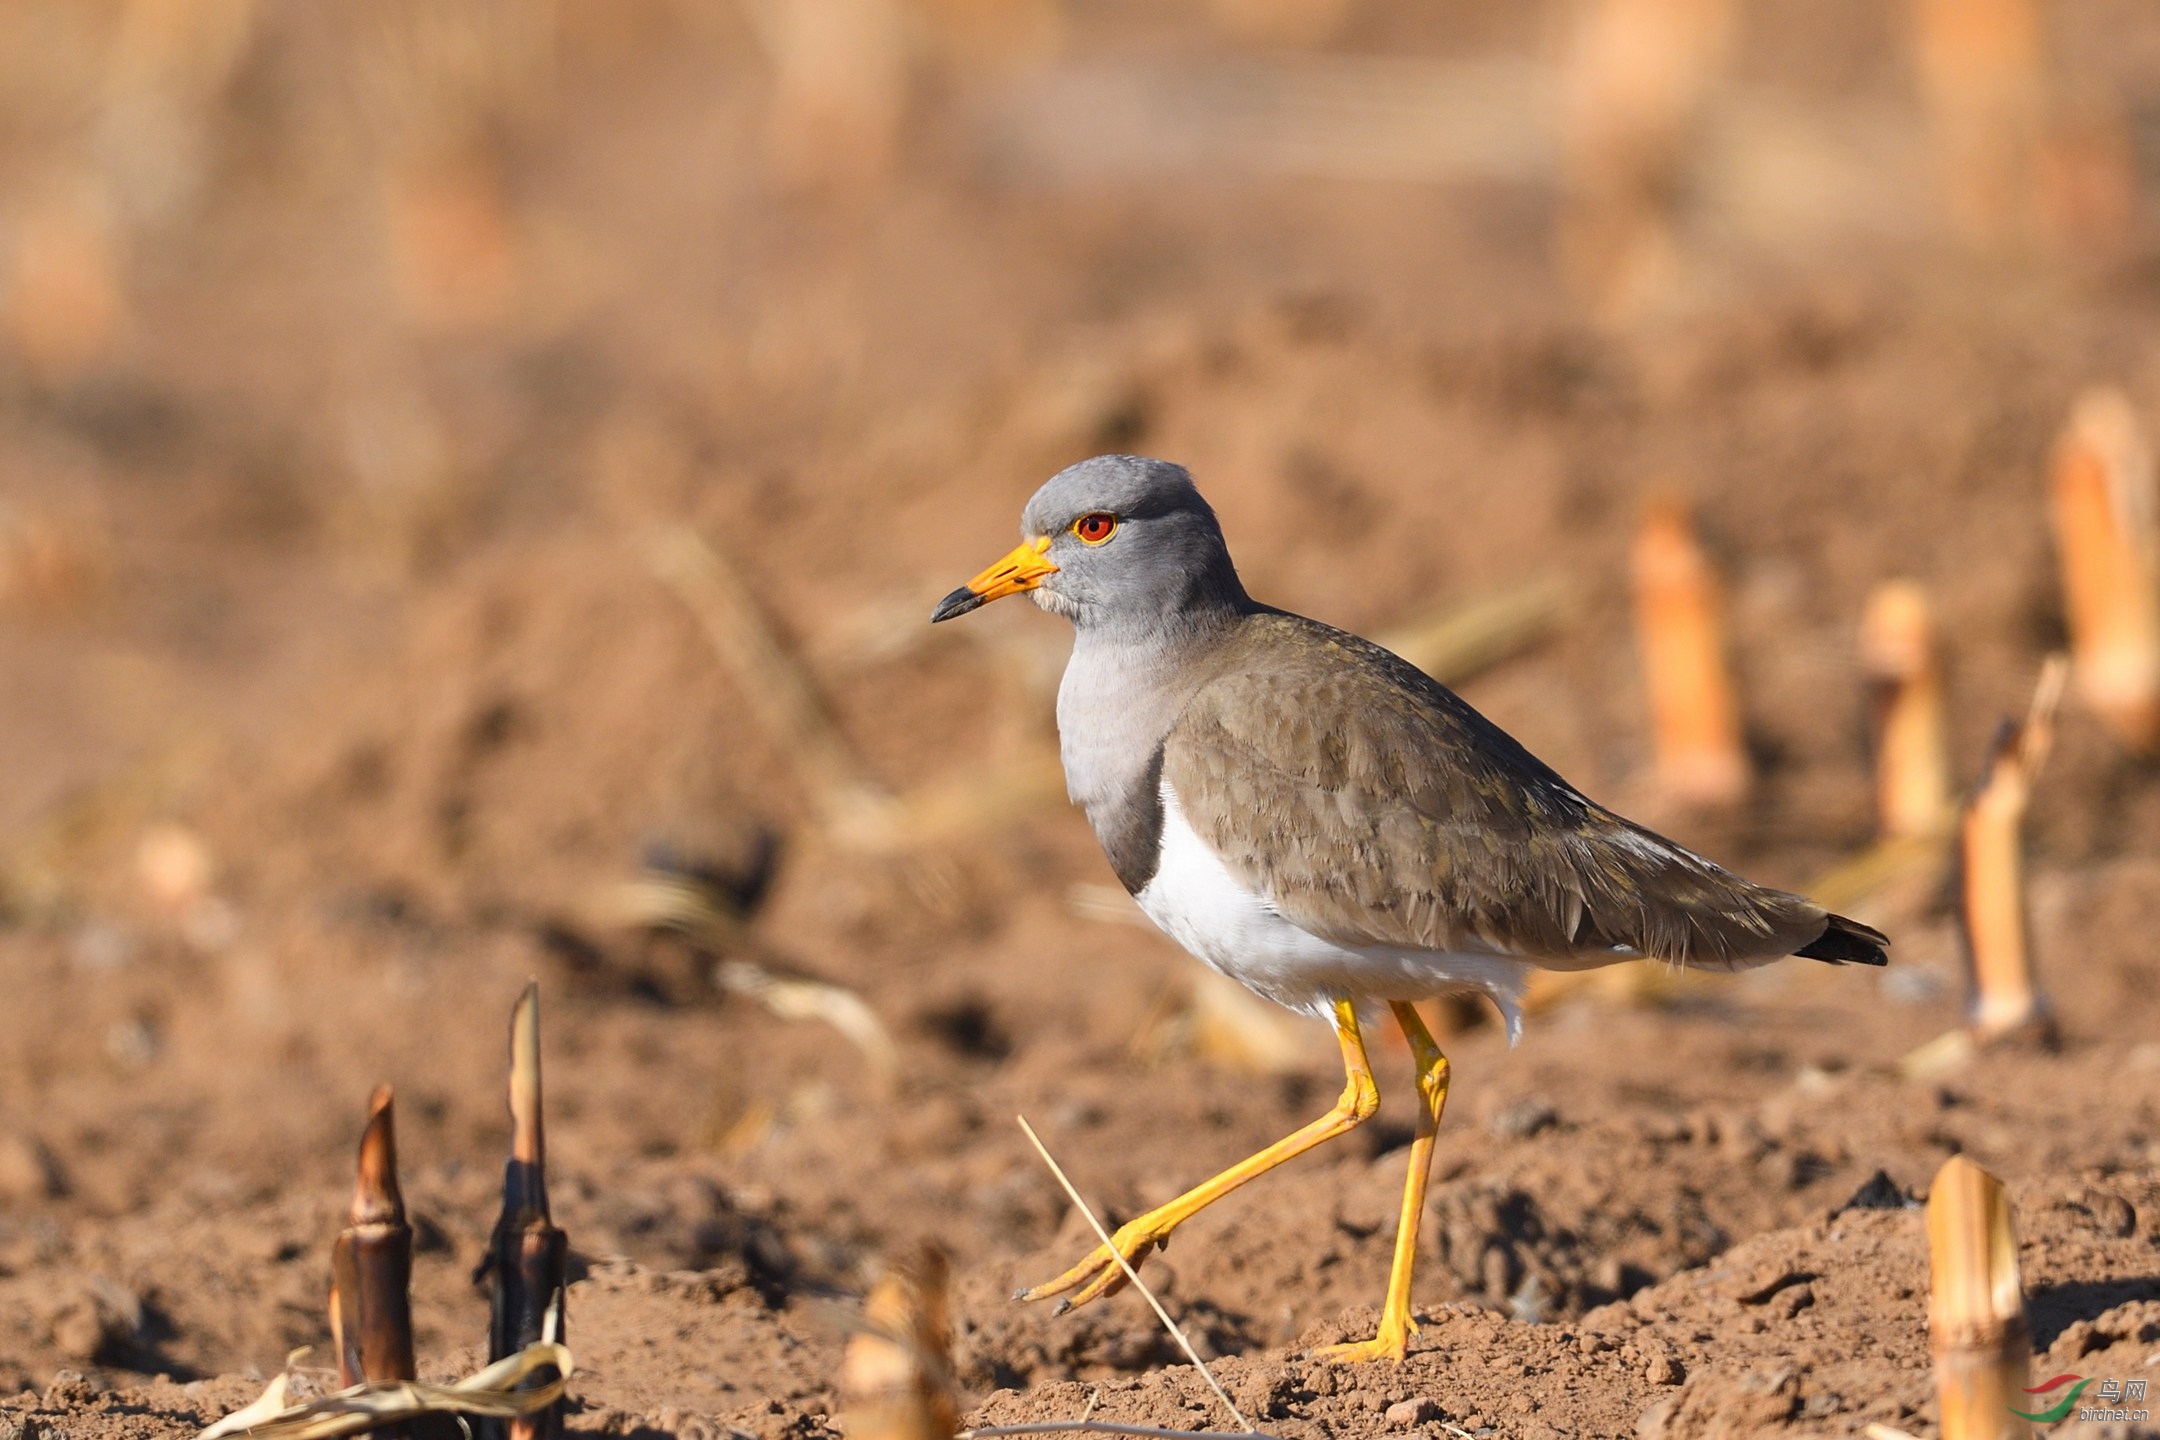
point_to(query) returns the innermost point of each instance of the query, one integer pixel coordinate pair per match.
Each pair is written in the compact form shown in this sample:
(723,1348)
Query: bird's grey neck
(1123,690)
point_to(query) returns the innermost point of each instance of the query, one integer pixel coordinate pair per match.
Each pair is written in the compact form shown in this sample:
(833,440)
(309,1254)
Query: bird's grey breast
(1116,705)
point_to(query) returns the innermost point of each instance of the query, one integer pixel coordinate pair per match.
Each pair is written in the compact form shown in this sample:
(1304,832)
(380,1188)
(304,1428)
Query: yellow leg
(1396,1326)
(1099,1274)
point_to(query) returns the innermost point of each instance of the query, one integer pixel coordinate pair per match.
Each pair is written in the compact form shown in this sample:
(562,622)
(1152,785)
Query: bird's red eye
(1095,529)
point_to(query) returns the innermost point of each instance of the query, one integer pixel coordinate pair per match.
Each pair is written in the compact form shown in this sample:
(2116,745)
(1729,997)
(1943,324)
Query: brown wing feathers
(1374,807)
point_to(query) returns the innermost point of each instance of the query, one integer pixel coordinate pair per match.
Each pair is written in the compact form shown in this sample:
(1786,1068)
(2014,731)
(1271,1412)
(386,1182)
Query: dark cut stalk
(528,1261)
(371,1263)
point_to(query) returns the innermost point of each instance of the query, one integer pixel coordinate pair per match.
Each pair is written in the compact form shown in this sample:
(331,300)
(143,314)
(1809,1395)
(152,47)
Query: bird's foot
(1392,1343)
(1100,1274)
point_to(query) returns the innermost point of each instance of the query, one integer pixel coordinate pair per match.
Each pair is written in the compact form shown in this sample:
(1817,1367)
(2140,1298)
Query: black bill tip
(959,602)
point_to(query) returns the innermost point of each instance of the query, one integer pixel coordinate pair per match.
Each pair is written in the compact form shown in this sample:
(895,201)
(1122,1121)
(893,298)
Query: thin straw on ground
(1459,640)
(264,1407)
(777,687)
(494,1393)
(693,907)
(1133,1276)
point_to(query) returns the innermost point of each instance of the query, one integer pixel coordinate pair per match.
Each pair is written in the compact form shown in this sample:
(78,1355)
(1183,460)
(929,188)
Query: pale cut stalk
(67,303)
(1632,94)
(2107,536)
(1976,1309)
(840,89)
(1983,81)
(435,84)
(896,1380)
(453,236)
(166,72)
(1228,1025)
(1680,627)
(1912,762)
(2005,994)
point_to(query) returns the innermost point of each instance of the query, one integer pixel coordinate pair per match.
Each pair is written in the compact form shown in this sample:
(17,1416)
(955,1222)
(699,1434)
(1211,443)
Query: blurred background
(303,306)
(474,473)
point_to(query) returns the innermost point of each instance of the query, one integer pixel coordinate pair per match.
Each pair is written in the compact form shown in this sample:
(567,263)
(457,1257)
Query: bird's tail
(1847,942)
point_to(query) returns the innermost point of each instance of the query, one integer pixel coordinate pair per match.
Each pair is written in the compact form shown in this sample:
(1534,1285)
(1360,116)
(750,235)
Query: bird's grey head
(1119,541)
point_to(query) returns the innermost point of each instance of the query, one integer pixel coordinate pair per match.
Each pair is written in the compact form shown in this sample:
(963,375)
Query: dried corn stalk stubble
(1976,1309)
(2005,993)
(1914,806)
(1912,762)
(371,1264)
(897,1380)
(1983,74)
(520,1395)
(1634,90)
(2107,533)
(527,1263)
(1680,625)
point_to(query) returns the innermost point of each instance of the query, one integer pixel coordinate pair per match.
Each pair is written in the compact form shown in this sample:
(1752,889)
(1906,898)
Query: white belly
(1202,906)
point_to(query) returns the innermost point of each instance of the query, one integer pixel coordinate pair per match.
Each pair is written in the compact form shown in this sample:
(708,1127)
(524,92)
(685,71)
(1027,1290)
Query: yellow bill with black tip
(1023,569)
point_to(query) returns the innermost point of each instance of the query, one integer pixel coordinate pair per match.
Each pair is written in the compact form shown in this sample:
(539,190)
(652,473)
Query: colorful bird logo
(2061,1407)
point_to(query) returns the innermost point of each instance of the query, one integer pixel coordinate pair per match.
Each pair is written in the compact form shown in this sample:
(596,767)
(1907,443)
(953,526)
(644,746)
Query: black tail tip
(1848,942)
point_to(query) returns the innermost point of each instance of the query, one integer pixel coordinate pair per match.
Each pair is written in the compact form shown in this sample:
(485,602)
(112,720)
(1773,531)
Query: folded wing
(1372,806)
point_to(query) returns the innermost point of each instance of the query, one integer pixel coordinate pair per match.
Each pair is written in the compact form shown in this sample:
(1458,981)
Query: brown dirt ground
(421,732)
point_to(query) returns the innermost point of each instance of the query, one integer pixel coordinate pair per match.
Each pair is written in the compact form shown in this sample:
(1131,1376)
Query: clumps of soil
(1503,1249)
